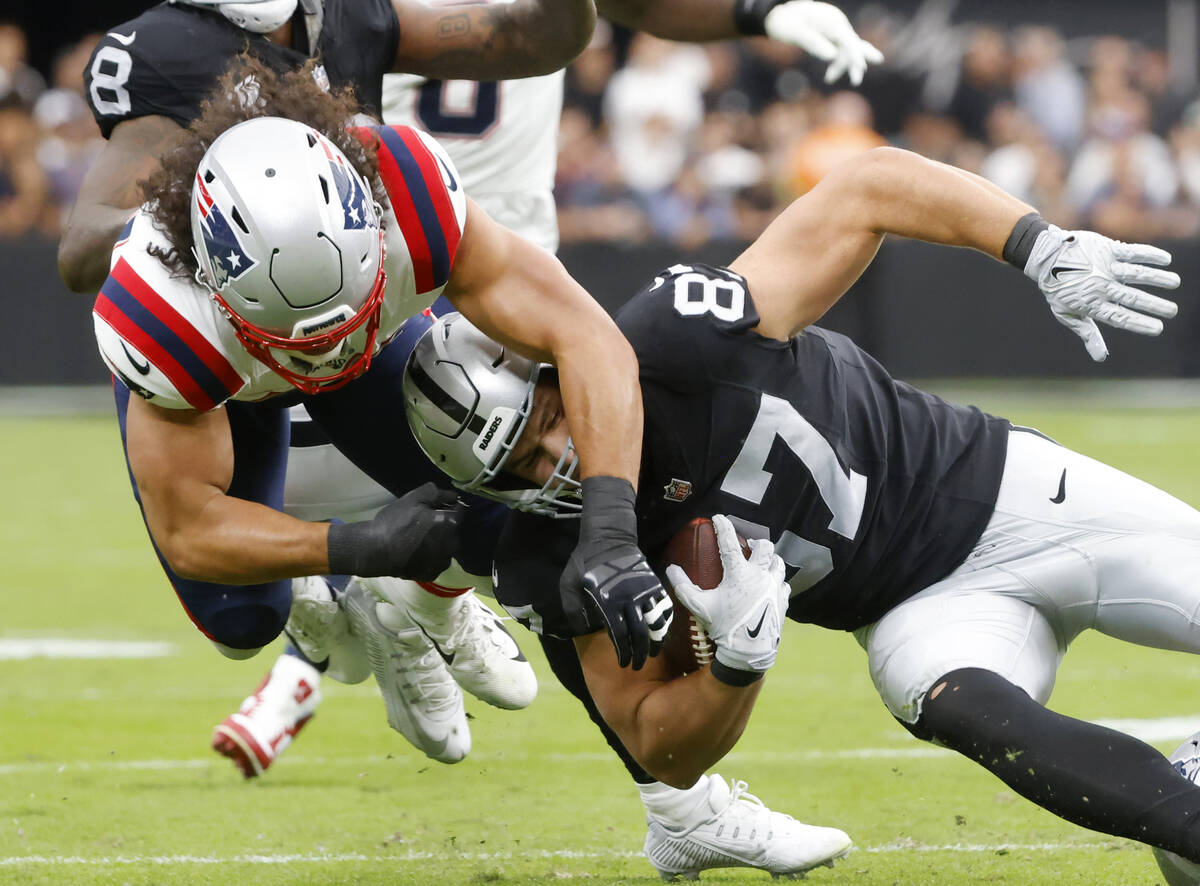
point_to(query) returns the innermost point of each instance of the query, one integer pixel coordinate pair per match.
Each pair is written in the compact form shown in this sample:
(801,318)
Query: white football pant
(1073,544)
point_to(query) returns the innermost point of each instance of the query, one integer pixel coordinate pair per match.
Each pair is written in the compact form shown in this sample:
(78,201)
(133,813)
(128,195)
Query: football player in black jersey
(964,553)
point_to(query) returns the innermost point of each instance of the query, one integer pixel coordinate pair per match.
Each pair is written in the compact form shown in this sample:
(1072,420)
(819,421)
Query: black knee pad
(250,626)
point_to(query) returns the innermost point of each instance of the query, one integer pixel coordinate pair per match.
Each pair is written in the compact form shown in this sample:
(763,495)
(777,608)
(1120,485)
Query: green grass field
(106,776)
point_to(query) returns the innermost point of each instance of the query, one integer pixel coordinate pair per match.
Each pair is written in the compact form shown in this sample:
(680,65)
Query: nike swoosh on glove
(744,613)
(1086,279)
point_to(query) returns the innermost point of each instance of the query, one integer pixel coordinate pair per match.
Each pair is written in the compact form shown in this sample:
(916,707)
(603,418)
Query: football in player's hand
(694,550)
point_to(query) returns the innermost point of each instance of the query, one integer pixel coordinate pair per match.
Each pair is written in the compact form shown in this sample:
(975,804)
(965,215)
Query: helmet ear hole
(237,217)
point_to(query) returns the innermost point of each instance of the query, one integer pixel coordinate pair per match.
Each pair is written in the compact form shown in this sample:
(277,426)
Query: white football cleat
(1176,869)
(265,724)
(733,829)
(480,653)
(423,702)
(321,631)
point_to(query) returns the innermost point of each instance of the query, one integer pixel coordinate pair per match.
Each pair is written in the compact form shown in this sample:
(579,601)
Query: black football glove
(607,576)
(413,537)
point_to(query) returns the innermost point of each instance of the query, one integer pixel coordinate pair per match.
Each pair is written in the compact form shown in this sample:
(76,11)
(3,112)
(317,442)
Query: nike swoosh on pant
(1062,489)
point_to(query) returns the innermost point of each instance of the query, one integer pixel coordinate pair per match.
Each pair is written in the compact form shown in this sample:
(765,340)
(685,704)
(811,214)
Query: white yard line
(23,648)
(412,856)
(295,760)
(1157,731)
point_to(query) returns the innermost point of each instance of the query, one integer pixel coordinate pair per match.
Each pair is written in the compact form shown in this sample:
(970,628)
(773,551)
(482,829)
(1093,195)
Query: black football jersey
(870,489)
(168,59)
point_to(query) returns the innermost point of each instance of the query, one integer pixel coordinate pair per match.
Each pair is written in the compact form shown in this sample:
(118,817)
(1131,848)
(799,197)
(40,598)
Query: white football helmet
(287,236)
(467,399)
(259,16)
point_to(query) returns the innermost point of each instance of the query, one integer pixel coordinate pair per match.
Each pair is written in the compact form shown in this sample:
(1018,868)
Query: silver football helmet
(287,236)
(259,16)
(467,399)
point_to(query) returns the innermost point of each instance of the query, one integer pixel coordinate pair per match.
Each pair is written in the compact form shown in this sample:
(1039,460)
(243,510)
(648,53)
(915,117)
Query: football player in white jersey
(302,283)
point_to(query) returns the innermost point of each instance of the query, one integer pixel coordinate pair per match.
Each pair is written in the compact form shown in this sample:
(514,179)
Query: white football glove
(822,30)
(744,613)
(1084,277)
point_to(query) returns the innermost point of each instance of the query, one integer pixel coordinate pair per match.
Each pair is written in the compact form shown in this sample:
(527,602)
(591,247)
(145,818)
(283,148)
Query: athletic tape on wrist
(1020,242)
(734,676)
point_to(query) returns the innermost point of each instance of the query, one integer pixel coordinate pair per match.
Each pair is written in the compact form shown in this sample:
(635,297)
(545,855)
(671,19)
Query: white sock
(672,806)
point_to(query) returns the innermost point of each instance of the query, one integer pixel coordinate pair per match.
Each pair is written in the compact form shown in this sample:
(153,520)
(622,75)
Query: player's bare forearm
(810,255)
(183,464)
(689,21)
(496,41)
(107,198)
(523,297)
(912,196)
(675,728)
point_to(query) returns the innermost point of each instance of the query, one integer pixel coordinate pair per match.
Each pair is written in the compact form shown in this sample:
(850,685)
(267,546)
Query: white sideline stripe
(20,649)
(1161,729)
(411,856)
(1155,731)
(298,760)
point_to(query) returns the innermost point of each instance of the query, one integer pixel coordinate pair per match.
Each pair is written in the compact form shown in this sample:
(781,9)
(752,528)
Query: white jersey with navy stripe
(164,337)
(502,136)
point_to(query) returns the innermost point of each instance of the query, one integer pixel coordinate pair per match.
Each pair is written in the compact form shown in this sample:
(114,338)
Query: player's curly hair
(248,89)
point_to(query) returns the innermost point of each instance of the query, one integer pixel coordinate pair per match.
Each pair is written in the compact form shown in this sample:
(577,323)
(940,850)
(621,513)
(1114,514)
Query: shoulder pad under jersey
(158,331)
(427,199)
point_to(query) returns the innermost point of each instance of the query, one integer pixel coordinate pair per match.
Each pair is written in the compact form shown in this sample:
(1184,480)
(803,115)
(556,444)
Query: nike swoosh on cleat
(448,659)
(758,627)
(1062,489)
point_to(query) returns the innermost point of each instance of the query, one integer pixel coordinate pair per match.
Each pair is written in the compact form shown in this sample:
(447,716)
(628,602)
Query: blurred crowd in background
(690,143)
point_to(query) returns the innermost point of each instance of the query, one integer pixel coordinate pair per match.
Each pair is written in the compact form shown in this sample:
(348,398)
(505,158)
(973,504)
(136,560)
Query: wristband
(1020,242)
(607,509)
(348,548)
(733,676)
(750,16)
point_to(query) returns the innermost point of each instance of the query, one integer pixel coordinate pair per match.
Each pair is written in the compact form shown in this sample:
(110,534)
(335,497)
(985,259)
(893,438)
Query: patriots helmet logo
(229,258)
(358,211)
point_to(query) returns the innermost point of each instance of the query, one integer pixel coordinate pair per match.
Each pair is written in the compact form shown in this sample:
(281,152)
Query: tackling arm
(675,728)
(182,461)
(491,41)
(107,198)
(522,296)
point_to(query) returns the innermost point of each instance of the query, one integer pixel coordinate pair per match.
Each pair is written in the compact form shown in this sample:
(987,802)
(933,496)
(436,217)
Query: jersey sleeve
(690,326)
(530,558)
(134,75)
(427,199)
(148,337)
